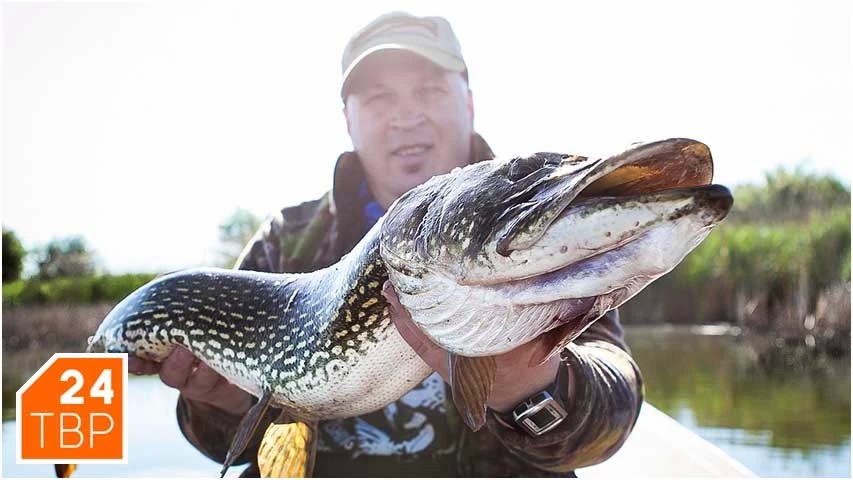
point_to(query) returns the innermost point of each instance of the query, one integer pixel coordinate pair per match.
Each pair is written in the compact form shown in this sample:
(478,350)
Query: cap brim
(436,56)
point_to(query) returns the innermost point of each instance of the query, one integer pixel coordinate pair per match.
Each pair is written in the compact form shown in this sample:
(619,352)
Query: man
(410,113)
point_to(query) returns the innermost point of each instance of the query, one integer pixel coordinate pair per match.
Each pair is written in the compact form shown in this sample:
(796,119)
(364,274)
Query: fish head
(561,235)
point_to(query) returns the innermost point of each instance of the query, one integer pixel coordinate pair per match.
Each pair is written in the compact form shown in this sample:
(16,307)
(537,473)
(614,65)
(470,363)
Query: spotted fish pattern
(317,341)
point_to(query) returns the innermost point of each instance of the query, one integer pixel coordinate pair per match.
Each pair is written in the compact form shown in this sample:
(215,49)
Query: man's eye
(434,89)
(378,97)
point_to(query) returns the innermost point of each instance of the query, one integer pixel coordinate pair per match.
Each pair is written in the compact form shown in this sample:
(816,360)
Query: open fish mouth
(635,175)
(655,186)
(513,249)
(646,214)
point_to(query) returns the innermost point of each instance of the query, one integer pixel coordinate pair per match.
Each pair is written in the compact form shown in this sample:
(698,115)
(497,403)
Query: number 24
(102,388)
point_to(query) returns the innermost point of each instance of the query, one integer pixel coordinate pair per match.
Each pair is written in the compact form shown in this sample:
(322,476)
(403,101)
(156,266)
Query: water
(779,413)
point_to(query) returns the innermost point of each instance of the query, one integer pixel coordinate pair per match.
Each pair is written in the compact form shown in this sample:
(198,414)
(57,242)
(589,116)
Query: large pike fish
(485,258)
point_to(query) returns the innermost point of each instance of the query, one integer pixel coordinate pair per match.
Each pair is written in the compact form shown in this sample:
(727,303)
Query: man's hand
(196,381)
(515,381)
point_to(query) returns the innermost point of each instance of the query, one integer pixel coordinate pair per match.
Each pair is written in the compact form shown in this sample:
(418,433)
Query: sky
(142,126)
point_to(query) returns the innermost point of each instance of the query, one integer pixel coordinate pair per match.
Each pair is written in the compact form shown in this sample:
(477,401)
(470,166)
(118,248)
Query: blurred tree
(785,245)
(66,257)
(789,195)
(234,233)
(13,256)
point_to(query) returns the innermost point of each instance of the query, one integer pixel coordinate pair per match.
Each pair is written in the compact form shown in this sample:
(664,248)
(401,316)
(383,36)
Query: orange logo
(72,410)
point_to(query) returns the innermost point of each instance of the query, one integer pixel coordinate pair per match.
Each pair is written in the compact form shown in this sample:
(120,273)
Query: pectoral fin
(551,342)
(471,380)
(246,430)
(288,449)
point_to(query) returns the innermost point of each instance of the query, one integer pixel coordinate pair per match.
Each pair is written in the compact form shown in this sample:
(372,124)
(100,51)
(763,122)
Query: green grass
(73,290)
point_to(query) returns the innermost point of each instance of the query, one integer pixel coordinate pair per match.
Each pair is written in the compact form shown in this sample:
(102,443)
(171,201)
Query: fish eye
(520,168)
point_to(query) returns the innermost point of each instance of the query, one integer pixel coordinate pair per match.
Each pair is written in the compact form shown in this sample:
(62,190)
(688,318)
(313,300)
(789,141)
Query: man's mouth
(412,150)
(412,157)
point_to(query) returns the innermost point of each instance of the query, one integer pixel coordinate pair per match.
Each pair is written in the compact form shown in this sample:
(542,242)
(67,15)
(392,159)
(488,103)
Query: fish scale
(302,337)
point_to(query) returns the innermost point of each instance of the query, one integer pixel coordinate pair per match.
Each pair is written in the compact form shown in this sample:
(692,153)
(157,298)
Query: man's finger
(177,367)
(391,295)
(139,366)
(432,354)
(401,318)
(201,381)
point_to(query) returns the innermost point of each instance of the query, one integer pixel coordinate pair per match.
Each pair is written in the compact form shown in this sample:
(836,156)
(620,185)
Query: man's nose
(408,115)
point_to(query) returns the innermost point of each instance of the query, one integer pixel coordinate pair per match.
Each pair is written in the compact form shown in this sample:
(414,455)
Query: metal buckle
(539,414)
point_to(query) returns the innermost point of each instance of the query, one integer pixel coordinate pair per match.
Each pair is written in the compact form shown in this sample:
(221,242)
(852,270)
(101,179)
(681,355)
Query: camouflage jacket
(421,434)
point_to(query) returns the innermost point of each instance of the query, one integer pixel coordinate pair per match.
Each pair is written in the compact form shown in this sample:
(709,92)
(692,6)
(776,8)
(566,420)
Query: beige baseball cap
(429,37)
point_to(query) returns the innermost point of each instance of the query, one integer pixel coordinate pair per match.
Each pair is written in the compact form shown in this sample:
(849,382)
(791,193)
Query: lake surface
(778,411)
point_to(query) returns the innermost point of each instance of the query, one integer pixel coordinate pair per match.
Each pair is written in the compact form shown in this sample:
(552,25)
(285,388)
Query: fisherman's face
(408,120)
